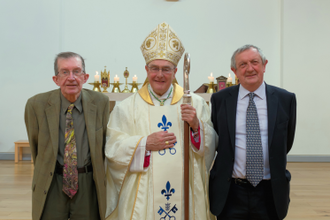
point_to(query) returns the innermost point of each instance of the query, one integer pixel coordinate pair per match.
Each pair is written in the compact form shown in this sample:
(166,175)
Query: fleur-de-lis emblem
(165,125)
(168,191)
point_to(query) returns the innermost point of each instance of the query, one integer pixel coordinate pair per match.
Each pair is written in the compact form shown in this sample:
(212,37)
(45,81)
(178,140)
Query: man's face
(160,80)
(70,84)
(250,70)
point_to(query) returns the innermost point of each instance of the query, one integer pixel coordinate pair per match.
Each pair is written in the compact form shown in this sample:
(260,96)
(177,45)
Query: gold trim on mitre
(162,44)
(177,94)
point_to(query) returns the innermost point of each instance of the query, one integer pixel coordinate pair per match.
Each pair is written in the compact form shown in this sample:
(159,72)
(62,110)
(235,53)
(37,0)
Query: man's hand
(160,140)
(188,114)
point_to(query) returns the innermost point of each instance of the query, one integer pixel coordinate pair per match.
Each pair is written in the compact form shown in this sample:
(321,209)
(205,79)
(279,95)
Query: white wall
(28,41)
(110,33)
(306,46)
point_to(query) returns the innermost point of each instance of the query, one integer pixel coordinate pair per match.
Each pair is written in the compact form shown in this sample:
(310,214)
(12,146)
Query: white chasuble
(167,164)
(143,195)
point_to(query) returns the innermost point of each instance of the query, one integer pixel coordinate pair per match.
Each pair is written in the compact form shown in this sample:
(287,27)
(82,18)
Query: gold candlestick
(236,80)
(126,75)
(96,86)
(211,88)
(229,84)
(135,87)
(116,88)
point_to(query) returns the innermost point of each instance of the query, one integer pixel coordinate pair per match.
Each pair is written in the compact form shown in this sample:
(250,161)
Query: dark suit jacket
(42,114)
(281,108)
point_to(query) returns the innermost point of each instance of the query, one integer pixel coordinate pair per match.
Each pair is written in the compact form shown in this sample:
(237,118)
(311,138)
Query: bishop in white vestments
(144,146)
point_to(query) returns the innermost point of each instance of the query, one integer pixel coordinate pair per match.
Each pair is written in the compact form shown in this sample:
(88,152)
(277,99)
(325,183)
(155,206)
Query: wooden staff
(186,100)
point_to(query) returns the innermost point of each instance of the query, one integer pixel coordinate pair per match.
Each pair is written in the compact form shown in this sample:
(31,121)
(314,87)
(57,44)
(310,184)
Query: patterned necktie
(70,172)
(254,155)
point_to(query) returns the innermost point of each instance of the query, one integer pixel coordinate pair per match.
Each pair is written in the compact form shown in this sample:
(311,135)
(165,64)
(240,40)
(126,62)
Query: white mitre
(162,44)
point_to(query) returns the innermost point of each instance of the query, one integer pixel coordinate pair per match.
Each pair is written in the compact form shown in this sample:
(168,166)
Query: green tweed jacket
(42,114)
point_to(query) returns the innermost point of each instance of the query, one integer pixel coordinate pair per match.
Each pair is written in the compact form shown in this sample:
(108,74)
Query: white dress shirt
(240,136)
(138,158)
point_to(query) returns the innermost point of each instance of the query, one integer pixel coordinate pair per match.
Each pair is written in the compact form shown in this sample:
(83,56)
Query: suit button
(45,192)
(51,173)
(229,179)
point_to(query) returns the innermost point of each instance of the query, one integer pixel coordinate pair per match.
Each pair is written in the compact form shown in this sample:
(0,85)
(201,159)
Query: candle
(96,77)
(211,78)
(229,79)
(116,78)
(134,78)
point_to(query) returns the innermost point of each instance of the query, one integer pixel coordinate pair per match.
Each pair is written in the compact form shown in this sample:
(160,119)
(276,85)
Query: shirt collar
(260,92)
(164,96)
(65,103)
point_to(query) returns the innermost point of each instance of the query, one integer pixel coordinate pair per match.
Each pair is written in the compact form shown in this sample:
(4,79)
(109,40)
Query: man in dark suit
(66,130)
(255,123)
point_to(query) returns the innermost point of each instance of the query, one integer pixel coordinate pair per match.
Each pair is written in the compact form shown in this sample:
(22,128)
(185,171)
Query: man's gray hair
(66,55)
(244,48)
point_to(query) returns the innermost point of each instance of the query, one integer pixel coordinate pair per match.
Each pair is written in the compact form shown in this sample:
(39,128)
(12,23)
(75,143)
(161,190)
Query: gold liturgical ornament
(229,82)
(236,80)
(105,79)
(134,85)
(126,75)
(211,88)
(211,85)
(96,84)
(116,84)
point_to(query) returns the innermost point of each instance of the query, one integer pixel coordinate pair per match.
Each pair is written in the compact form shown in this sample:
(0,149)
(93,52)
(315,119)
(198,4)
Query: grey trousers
(82,206)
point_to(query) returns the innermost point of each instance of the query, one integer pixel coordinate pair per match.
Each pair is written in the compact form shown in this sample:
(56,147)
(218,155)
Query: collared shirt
(79,125)
(162,97)
(240,136)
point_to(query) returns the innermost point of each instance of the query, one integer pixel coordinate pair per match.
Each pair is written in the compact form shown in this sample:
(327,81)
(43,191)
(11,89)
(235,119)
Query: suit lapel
(272,103)
(53,118)
(231,105)
(90,120)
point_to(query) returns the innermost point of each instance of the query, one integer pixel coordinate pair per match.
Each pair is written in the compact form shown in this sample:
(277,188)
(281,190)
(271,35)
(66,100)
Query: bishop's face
(160,75)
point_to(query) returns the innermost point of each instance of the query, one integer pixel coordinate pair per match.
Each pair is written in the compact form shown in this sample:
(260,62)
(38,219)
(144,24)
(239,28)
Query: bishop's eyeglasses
(165,70)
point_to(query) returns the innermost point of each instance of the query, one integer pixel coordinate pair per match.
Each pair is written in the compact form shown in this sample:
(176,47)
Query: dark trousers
(83,205)
(245,202)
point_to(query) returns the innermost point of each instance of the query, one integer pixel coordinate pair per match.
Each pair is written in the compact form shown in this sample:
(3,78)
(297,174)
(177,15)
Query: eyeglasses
(75,72)
(165,70)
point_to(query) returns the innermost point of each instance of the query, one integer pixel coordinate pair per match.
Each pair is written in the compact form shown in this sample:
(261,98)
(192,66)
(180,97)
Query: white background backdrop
(293,34)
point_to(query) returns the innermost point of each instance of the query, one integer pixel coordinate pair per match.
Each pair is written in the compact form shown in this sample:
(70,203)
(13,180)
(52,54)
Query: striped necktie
(70,171)
(254,155)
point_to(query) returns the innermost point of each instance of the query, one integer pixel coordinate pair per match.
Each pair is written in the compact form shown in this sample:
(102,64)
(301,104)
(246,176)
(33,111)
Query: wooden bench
(19,149)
